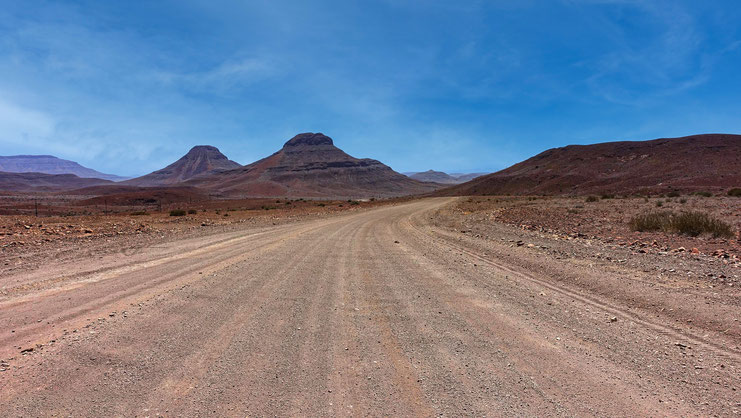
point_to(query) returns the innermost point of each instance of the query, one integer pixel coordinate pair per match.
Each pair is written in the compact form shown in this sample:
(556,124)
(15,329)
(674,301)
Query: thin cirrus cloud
(128,87)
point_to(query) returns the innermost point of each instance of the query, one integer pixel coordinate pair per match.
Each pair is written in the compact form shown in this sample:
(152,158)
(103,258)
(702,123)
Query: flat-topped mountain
(692,163)
(49,164)
(200,160)
(310,165)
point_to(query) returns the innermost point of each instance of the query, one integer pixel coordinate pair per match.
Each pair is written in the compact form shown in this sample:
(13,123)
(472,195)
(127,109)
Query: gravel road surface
(376,313)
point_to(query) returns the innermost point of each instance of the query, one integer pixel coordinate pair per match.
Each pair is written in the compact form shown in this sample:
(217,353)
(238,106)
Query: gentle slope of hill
(692,163)
(37,182)
(199,160)
(49,164)
(309,165)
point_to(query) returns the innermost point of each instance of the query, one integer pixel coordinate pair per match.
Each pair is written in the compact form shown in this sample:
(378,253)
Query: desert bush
(649,222)
(735,192)
(140,213)
(321,205)
(696,223)
(177,212)
(659,203)
(685,223)
(608,196)
(192,211)
(673,194)
(683,201)
(592,199)
(704,194)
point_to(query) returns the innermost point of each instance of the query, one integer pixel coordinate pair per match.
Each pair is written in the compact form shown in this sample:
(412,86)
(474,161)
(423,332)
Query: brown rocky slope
(709,162)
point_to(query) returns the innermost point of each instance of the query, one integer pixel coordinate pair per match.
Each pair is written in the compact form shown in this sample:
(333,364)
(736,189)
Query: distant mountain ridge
(49,164)
(200,160)
(440,177)
(691,163)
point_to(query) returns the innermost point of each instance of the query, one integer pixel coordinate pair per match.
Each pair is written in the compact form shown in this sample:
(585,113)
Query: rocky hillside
(49,164)
(310,165)
(694,163)
(198,161)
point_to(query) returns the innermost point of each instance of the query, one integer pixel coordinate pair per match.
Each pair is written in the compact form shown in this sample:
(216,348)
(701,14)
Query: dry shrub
(685,223)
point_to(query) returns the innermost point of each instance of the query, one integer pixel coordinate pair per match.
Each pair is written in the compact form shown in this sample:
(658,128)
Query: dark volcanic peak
(199,160)
(309,138)
(694,163)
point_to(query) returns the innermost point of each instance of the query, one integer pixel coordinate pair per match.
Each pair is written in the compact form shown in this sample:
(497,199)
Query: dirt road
(374,313)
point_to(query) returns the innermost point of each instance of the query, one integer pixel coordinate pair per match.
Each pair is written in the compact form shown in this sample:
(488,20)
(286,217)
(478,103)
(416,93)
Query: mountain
(38,182)
(692,163)
(48,164)
(464,177)
(200,160)
(431,176)
(309,165)
(440,177)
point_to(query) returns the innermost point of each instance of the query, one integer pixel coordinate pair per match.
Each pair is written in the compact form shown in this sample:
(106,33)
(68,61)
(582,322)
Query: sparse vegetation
(591,199)
(608,196)
(321,205)
(659,203)
(177,212)
(704,194)
(192,211)
(673,194)
(139,213)
(685,223)
(683,201)
(735,192)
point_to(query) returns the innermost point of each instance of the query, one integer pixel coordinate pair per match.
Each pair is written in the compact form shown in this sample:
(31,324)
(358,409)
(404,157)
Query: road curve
(373,313)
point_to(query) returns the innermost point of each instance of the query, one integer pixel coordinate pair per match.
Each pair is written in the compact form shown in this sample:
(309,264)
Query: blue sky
(127,87)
